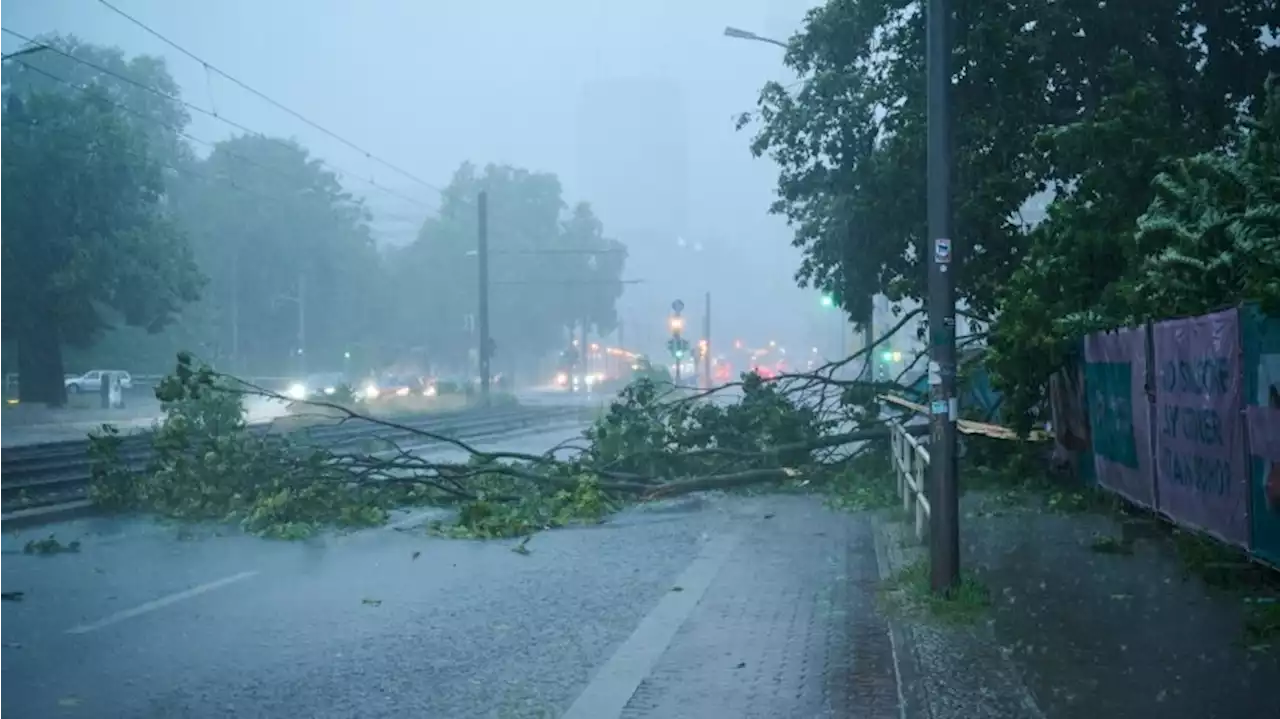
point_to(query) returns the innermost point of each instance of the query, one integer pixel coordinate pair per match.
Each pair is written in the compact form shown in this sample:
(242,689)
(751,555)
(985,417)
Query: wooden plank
(967,426)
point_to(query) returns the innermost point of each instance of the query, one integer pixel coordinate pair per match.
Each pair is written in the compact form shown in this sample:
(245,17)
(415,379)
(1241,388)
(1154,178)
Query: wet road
(153,619)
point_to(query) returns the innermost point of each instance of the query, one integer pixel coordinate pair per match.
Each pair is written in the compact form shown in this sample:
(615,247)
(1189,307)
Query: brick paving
(787,628)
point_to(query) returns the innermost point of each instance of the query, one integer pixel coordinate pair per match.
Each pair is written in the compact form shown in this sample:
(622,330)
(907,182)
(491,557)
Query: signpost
(677,345)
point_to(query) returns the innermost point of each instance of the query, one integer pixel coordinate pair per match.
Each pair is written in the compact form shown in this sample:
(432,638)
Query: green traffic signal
(828,301)
(679,354)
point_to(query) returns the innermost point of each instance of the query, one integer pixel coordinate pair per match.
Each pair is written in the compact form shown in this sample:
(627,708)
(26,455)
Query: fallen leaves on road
(50,545)
(416,555)
(371,602)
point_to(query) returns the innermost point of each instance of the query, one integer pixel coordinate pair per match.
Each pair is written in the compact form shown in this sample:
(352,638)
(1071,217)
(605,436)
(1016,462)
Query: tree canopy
(550,268)
(88,239)
(1089,101)
(117,226)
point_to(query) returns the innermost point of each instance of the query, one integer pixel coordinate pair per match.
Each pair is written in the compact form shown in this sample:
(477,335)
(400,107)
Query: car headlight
(297,391)
(562,378)
(430,391)
(371,392)
(402,391)
(330,390)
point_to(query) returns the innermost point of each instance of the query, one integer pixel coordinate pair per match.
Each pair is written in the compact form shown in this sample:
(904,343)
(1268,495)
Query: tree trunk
(40,362)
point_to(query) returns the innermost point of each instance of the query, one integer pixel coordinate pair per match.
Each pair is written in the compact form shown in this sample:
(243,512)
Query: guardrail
(911,466)
(33,476)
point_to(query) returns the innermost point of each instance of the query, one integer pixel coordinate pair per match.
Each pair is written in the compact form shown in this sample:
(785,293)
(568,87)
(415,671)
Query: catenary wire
(192,106)
(267,98)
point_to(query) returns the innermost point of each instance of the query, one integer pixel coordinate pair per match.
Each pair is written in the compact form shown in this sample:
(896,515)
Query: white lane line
(611,688)
(160,603)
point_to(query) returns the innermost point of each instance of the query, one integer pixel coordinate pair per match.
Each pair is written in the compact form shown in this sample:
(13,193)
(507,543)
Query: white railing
(911,466)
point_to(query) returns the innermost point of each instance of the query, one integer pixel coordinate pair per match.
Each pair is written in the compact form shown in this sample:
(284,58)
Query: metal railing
(911,467)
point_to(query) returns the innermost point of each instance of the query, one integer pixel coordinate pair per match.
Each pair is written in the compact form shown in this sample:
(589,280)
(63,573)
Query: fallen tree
(653,441)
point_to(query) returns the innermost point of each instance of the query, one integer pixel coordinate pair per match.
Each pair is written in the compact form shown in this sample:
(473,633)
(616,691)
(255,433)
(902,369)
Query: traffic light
(828,300)
(676,323)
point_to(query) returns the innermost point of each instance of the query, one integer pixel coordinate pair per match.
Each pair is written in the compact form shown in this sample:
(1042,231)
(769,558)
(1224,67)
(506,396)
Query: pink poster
(1202,475)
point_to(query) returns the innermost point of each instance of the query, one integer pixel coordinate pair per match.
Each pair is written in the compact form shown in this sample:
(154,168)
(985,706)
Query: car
(91,381)
(393,385)
(317,387)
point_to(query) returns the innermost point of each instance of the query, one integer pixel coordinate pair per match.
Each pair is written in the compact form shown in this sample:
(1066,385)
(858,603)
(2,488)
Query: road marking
(611,688)
(160,603)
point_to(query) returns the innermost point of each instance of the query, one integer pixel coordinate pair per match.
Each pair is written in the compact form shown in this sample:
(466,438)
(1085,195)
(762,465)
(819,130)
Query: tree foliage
(1089,101)
(550,268)
(88,240)
(295,280)
(274,227)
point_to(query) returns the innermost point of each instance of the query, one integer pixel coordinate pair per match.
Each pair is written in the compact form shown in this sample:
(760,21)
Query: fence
(1182,416)
(911,465)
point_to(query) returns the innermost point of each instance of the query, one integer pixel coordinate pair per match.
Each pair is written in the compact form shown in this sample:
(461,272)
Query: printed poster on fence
(1202,475)
(1119,413)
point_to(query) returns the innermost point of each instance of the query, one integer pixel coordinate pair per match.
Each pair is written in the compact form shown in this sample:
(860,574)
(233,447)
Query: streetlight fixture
(738,34)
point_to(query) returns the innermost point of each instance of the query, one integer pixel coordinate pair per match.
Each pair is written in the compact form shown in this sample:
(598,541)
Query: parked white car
(91,381)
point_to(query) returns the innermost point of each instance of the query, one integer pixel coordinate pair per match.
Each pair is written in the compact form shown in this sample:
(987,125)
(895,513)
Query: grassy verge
(909,592)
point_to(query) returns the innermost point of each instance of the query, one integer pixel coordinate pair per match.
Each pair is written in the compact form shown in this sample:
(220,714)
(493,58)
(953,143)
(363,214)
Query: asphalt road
(153,619)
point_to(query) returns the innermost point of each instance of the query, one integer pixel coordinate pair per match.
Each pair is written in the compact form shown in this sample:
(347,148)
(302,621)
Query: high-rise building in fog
(633,154)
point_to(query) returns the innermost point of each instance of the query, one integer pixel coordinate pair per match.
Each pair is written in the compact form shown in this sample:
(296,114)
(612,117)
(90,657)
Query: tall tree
(541,279)
(85,230)
(289,252)
(1088,99)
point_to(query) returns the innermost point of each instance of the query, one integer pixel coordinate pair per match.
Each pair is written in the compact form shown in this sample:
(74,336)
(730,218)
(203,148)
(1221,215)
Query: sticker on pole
(942,251)
(939,406)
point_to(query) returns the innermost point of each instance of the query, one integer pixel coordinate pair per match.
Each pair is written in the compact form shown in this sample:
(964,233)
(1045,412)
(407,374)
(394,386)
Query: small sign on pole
(942,251)
(678,306)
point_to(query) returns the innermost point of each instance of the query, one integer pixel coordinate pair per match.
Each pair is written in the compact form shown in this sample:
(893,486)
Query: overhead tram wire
(196,108)
(267,98)
(187,136)
(190,172)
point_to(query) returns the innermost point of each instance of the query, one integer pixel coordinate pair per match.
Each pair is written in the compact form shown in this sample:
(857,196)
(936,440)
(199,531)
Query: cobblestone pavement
(1074,633)
(787,628)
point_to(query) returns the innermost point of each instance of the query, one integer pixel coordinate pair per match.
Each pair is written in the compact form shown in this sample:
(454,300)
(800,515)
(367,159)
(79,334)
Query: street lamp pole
(482,255)
(944,524)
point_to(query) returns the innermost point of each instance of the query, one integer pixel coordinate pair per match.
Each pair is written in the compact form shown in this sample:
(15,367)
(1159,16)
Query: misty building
(633,166)
(633,154)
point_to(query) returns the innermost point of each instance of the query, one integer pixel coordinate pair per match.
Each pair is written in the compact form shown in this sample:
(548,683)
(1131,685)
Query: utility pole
(235,310)
(944,524)
(302,324)
(622,345)
(706,337)
(482,255)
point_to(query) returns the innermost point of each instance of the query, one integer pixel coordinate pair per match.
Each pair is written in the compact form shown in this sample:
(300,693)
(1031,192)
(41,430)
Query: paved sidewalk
(787,627)
(1074,632)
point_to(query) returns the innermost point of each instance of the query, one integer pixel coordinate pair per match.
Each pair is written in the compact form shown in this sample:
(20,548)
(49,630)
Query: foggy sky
(543,85)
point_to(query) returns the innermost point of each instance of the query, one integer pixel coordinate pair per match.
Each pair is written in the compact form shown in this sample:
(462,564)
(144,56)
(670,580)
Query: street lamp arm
(735,33)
